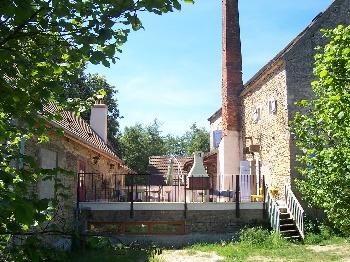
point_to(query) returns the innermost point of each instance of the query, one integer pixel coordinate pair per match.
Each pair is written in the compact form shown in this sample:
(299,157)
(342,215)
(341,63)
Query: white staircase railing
(273,211)
(295,209)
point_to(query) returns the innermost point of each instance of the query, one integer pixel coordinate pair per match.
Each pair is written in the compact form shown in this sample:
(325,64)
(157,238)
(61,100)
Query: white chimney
(98,119)
(197,169)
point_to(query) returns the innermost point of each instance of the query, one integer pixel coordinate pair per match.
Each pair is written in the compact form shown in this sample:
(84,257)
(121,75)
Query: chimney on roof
(232,83)
(98,119)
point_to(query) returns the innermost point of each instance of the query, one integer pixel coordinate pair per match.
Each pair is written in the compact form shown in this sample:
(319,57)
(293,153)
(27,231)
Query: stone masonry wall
(69,153)
(271,131)
(196,221)
(299,60)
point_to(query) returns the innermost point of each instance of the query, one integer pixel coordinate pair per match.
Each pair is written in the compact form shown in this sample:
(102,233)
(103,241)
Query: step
(287,226)
(288,220)
(290,232)
(283,210)
(284,215)
(293,238)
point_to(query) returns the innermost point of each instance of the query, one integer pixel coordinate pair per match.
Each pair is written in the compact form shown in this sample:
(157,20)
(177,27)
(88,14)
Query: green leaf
(323,73)
(341,115)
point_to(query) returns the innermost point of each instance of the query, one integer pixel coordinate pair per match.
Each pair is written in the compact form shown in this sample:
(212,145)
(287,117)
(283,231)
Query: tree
(85,87)
(197,139)
(322,132)
(43,44)
(138,143)
(175,145)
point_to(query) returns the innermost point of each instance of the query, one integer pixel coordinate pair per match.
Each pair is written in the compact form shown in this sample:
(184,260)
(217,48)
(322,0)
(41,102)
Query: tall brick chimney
(230,146)
(232,83)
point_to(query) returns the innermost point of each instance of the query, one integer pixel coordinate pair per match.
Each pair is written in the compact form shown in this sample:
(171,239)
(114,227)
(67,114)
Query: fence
(95,187)
(295,209)
(273,212)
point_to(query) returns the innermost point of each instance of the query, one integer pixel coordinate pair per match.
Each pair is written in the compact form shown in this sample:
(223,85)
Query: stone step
(291,232)
(293,238)
(288,220)
(284,215)
(288,226)
(283,210)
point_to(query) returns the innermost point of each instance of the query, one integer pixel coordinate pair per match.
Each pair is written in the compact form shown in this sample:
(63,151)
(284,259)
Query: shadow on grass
(107,249)
(110,255)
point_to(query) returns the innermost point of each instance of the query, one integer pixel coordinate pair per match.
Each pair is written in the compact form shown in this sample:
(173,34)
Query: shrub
(317,232)
(260,236)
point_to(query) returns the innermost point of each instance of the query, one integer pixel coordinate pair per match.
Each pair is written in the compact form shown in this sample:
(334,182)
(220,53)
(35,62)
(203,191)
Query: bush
(261,237)
(99,243)
(317,232)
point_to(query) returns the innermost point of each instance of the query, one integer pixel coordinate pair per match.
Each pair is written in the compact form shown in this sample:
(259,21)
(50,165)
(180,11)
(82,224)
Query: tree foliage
(138,143)
(43,45)
(85,86)
(196,139)
(323,132)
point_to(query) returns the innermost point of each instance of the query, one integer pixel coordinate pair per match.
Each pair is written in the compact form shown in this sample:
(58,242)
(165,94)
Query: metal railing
(96,187)
(295,209)
(273,211)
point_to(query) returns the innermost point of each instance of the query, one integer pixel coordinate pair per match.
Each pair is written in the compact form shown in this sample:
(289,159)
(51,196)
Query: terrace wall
(199,218)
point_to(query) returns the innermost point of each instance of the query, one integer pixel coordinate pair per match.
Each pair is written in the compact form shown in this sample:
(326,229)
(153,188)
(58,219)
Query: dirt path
(189,256)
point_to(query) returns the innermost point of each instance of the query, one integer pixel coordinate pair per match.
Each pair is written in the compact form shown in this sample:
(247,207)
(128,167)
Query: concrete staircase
(286,215)
(288,228)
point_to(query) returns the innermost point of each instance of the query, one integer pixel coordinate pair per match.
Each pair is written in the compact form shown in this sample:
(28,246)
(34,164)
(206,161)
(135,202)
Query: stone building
(82,149)
(267,102)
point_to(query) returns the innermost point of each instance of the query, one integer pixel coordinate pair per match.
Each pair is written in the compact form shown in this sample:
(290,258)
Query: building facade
(267,102)
(81,151)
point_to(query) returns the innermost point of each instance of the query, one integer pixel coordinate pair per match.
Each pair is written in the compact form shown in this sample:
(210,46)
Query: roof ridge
(78,127)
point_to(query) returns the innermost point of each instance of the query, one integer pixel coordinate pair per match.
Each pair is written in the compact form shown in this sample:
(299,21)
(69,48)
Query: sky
(171,71)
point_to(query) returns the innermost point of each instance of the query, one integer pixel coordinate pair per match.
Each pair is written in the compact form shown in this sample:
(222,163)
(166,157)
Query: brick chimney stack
(232,83)
(230,147)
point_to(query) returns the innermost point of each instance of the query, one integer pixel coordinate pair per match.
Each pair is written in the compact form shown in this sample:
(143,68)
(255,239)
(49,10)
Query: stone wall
(69,153)
(300,59)
(271,130)
(196,221)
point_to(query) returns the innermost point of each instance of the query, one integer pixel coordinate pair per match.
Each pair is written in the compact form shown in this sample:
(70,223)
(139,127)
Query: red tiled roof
(158,165)
(77,127)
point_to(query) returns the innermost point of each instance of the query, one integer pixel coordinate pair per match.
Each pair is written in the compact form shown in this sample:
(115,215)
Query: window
(46,187)
(217,136)
(272,105)
(257,115)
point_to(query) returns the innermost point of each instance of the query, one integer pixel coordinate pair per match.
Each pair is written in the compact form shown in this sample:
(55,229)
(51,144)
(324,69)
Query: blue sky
(172,70)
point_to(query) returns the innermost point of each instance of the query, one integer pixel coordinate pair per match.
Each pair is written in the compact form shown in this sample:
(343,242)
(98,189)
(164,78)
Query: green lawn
(109,256)
(336,249)
(333,250)
(253,244)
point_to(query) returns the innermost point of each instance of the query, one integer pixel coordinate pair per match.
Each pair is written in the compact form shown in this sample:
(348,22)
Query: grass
(336,249)
(107,256)
(254,244)
(274,248)
(290,252)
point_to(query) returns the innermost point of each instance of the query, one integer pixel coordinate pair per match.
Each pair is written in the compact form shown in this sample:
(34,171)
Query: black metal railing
(95,187)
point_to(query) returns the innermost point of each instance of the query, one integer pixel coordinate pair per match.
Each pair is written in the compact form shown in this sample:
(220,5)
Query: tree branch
(21,26)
